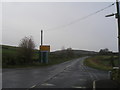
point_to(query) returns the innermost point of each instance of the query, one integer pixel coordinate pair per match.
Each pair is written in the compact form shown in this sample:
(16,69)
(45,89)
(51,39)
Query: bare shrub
(26,50)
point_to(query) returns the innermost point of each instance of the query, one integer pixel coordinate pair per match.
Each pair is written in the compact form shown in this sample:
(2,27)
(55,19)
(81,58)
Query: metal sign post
(43,51)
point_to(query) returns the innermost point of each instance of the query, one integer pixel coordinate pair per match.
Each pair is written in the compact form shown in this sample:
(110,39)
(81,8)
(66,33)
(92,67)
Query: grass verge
(37,64)
(104,63)
(11,58)
(100,62)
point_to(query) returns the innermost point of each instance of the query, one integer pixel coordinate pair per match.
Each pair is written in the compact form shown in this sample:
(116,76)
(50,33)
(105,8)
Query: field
(105,62)
(10,57)
(102,62)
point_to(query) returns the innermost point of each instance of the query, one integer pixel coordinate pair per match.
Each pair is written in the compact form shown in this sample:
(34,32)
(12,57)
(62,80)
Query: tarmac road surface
(70,74)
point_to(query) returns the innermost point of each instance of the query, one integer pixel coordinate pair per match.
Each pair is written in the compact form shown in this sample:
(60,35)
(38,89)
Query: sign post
(43,51)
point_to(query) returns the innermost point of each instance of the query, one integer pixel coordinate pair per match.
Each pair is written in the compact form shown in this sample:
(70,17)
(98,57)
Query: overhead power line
(80,19)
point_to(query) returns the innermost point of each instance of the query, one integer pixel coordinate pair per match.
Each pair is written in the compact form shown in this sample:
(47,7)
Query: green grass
(100,62)
(37,64)
(33,65)
(103,63)
(11,53)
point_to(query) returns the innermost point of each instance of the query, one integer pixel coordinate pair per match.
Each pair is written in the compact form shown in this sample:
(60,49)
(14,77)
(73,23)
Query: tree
(105,51)
(70,52)
(26,51)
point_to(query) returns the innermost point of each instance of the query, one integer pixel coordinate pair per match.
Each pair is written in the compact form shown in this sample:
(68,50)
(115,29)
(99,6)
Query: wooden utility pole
(117,15)
(44,49)
(118,19)
(41,37)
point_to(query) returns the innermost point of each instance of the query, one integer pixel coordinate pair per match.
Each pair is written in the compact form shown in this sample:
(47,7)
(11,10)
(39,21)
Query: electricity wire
(80,19)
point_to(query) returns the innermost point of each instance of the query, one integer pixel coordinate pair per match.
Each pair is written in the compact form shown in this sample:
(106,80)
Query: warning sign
(45,48)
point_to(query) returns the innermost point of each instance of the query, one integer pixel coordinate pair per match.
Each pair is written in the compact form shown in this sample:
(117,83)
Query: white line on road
(94,85)
(78,87)
(33,86)
(68,66)
(47,84)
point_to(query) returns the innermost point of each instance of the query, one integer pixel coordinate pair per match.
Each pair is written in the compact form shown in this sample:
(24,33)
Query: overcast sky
(20,19)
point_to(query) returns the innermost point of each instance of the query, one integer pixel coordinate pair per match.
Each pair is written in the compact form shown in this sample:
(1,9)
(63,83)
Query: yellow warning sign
(45,48)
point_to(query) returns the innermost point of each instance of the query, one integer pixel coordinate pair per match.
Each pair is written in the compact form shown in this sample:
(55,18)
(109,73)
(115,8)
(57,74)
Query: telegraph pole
(117,15)
(41,53)
(41,37)
(118,20)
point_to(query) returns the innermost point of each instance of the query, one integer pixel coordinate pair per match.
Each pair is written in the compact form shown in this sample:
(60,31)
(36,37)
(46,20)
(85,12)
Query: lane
(70,74)
(23,78)
(75,75)
(28,77)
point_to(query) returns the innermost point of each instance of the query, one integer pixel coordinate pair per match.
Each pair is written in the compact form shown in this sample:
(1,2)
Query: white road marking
(47,84)
(33,86)
(68,66)
(94,85)
(78,87)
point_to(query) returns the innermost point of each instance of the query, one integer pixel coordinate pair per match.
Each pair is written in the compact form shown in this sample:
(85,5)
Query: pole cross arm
(110,15)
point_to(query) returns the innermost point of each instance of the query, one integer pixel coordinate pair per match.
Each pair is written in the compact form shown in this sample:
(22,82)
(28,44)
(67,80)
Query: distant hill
(84,52)
(8,47)
(10,56)
(77,52)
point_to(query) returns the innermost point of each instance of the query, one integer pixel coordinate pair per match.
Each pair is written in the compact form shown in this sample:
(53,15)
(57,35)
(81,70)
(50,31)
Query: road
(70,74)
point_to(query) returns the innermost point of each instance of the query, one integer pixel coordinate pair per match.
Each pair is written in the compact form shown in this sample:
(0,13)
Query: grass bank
(10,58)
(37,64)
(101,62)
